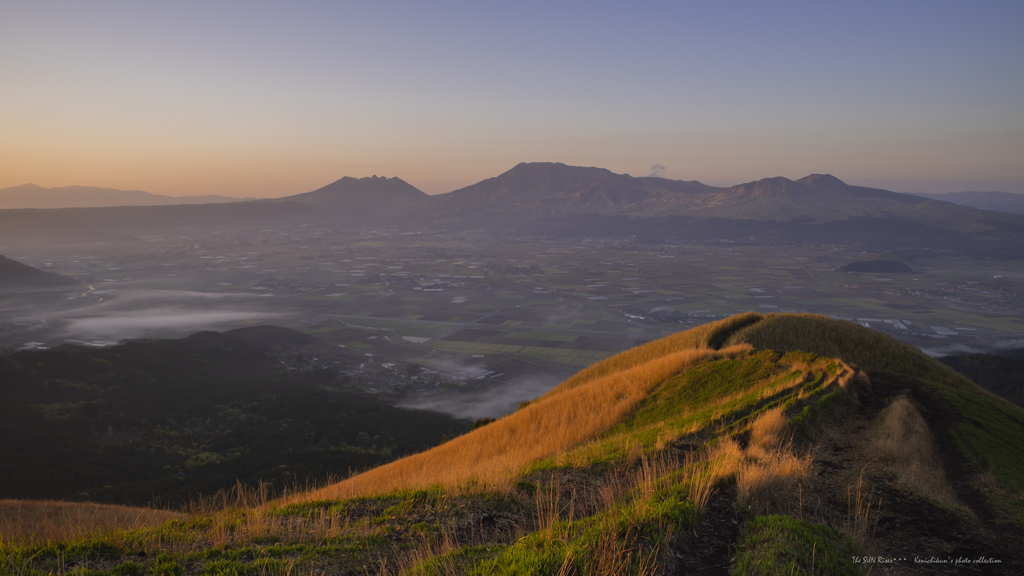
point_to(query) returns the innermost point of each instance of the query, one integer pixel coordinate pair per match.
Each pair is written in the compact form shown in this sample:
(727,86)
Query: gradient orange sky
(267,99)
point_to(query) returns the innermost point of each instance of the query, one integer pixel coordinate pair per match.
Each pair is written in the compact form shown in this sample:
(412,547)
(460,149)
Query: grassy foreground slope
(778,444)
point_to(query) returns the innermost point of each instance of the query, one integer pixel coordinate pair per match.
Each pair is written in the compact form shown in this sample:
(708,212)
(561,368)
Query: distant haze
(274,99)
(32,196)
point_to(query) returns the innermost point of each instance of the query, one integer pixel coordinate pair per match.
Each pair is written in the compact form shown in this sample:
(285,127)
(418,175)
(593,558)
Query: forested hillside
(174,419)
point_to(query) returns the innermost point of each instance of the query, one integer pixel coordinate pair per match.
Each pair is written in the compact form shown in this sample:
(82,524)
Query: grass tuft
(904,442)
(779,545)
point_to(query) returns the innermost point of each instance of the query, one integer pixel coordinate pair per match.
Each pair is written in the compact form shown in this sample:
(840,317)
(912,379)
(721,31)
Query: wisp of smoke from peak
(656,171)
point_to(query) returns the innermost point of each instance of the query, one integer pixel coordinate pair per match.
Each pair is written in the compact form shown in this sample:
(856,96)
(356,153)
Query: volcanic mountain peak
(824,181)
(350,185)
(556,171)
(776,187)
(361,194)
(550,189)
(541,179)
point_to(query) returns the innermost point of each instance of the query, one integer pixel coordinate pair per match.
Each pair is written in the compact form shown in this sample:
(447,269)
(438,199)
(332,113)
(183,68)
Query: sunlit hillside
(753,445)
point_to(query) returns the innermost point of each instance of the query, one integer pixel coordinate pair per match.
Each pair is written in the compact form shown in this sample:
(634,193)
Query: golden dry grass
(557,504)
(768,475)
(46,521)
(904,441)
(710,413)
(771,430)
(567,417)
(860,499)
(769,481)
(699,338)
(610,556)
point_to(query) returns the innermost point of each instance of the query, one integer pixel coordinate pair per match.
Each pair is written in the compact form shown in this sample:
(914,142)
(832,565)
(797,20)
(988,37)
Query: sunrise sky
(275,98)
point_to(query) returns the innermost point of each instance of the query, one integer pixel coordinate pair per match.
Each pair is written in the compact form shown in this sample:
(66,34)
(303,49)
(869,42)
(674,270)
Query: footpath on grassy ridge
(754,445)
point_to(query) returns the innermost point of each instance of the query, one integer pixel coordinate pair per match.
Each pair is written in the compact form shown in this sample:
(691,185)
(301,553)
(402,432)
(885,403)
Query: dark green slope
(1002,375)
(178,418)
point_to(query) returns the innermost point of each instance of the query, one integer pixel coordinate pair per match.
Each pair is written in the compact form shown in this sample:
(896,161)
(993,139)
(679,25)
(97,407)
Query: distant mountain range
(997,201)
(549,189)
(32,196)
(539,190)
(545,190)
(531,197)
(14,274)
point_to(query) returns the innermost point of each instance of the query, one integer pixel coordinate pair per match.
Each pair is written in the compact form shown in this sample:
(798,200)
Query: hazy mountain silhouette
(551,189)
(996,201)
(819,197)
(814,186)
(32,196)
(14,274)
(124,223)
(815,206)
(541,189)
(357,196)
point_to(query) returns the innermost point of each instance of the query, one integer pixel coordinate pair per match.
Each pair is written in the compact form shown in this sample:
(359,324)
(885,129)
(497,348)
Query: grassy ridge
(718,395)
(864,347)
(821,335)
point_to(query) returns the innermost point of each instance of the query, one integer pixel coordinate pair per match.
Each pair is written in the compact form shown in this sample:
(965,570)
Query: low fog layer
(492,400)
(117,314)
(489,398)
(956,349)
(139,324)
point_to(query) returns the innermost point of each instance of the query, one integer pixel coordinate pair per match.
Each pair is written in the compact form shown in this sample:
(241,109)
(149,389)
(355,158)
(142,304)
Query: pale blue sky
(268,99)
